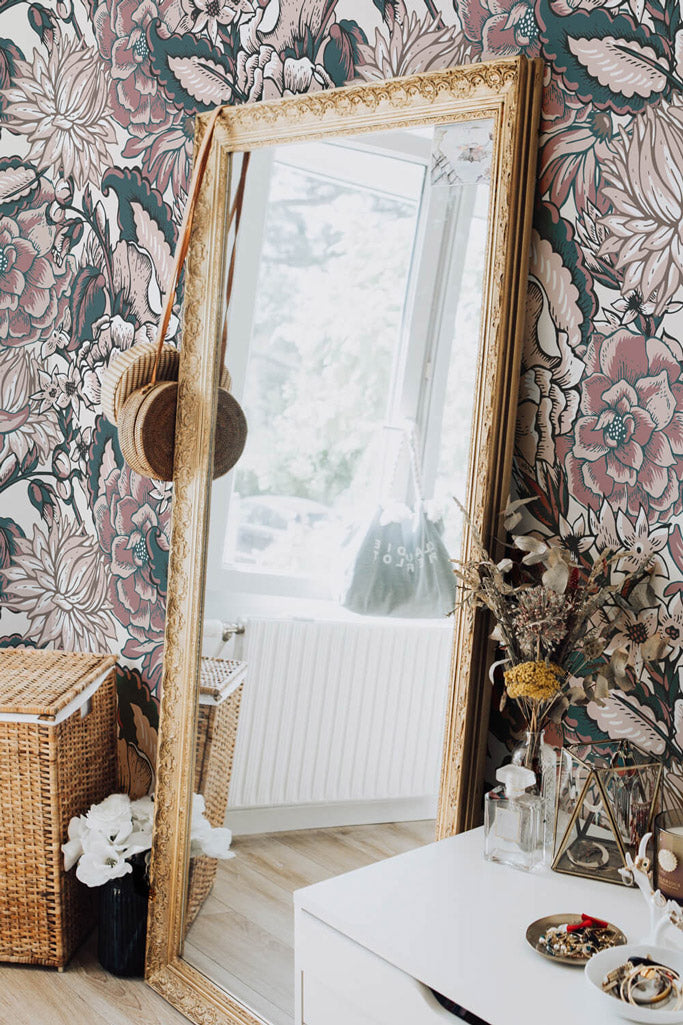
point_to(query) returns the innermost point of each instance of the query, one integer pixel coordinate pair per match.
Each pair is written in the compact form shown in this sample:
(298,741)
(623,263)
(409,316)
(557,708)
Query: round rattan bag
(132,368)
(140,389)
(147,430)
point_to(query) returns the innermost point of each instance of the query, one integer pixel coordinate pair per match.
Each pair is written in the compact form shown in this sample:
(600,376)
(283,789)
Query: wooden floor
(243,938)
(84,994)
(246,924)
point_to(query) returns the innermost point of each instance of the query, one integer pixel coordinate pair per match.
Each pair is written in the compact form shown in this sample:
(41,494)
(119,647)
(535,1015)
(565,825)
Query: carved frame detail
(508,91)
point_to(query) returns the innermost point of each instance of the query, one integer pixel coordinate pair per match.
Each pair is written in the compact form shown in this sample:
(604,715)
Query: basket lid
(39,682)
(218,678)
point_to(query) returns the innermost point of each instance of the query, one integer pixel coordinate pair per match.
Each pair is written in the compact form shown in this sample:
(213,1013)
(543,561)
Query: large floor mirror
(328,715)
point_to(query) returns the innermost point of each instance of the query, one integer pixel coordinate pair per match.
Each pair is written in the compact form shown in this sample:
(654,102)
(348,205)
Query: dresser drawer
(342,983)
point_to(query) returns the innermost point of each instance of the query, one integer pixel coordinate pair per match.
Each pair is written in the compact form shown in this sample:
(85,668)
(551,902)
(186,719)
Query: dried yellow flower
(538,681)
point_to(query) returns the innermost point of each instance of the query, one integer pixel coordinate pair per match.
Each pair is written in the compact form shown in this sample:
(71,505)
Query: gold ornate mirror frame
(508,92)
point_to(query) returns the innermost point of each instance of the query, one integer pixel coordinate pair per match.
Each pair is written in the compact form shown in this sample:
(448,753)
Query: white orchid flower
(212,842)
(102,840)
(205,839)
(504,566)
(73,848)
(100,862)
(198,808)
(111,818)
(139,840)
(142,812)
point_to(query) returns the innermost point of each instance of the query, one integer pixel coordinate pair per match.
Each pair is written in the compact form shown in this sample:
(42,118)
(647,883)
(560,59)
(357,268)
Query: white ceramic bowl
(603,963)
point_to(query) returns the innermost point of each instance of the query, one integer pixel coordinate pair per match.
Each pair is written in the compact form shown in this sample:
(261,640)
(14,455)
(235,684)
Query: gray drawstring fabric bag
(402,566)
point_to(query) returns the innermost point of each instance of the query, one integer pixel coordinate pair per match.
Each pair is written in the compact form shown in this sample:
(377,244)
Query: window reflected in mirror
(359,281)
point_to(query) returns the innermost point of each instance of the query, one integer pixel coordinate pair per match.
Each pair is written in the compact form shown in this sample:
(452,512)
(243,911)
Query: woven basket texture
(146,426)
(216,736)
(147,430)
(230,434)
(44,682)
(155,430)
(130,370)
(50,773)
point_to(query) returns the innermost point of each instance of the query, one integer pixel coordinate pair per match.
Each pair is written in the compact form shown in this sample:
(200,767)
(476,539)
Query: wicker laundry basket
(221,684)
(57,757)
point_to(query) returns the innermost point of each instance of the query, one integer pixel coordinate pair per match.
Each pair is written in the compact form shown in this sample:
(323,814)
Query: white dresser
(372,945)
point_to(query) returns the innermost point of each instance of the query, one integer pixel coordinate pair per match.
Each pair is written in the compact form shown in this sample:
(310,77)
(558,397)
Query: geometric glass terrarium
(607,799)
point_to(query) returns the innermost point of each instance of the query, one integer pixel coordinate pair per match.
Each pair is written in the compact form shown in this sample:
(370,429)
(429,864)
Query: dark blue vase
(123,921)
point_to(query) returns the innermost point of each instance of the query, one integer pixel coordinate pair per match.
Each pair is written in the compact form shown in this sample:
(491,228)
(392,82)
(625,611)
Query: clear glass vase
(541,758)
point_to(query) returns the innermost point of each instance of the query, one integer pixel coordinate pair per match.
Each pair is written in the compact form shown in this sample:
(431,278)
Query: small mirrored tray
(606,937)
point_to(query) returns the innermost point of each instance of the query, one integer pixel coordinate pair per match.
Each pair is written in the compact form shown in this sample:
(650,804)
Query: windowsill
(242,606)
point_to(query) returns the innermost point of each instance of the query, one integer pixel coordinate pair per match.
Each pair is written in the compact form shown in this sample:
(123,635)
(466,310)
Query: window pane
(330,295)
(451,476)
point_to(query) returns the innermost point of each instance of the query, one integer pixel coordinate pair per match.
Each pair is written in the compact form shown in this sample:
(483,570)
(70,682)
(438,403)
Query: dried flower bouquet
(556,620)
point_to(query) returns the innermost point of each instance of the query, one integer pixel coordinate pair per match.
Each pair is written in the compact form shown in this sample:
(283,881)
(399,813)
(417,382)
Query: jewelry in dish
(572,939)
(645,983)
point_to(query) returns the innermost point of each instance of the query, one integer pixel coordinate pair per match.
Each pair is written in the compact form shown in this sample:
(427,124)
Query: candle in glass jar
(669,854)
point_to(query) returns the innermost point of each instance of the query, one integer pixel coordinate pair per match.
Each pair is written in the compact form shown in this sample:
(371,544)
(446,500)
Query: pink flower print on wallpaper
(60,104)
(640,542)
(59,581)
(266,67)
(628,442)
(571,155)
(211,15)
(133,534)
(33,287)
(111,336)
(134,94)
(414,44)
(166,155)
(500,28)
(551,367)
(26,426)
(643,184)
(672,624)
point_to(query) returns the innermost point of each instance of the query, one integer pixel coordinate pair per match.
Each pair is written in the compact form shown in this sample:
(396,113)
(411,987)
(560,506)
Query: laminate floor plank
(83,994)
(241,888)
(271,855)
(255,1000)
(250,952)
(406,836)
(348,848)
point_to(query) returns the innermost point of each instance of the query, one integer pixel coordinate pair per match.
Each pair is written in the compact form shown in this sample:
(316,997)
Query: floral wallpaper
(97,100)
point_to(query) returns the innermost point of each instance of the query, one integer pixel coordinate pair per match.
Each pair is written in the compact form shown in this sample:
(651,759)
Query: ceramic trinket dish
(640,982)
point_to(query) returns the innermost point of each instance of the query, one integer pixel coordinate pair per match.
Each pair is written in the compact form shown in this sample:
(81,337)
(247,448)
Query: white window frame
(418,388)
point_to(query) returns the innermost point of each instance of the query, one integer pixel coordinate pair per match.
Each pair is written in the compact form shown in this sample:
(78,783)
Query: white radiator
(341,722)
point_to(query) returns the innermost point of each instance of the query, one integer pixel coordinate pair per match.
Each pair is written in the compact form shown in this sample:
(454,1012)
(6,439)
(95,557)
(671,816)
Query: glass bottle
(533,753)
(513,819)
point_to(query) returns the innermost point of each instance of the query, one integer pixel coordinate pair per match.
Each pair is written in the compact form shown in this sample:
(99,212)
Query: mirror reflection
(352,345)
